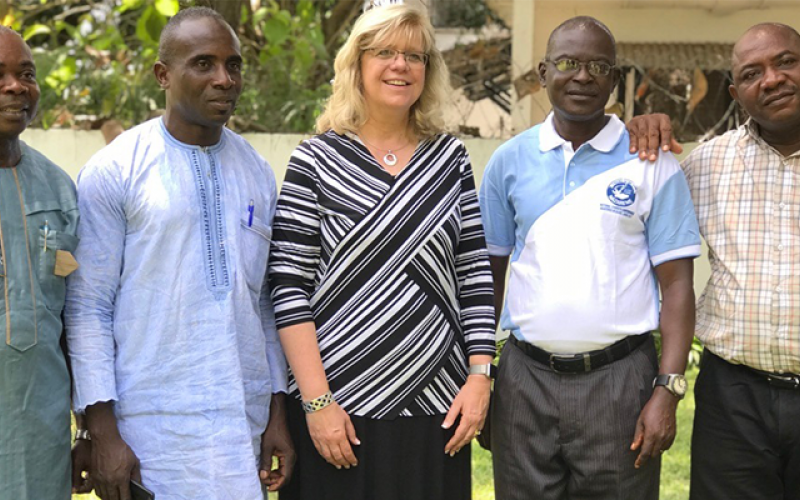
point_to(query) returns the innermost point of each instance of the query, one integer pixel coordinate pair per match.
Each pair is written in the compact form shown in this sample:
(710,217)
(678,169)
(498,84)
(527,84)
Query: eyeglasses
(595,68)
(412,58)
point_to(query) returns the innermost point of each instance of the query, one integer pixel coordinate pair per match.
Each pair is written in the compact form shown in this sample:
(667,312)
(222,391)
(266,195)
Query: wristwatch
(487,369)
(673,382)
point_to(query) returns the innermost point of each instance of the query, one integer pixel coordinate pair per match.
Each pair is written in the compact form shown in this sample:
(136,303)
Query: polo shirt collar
(604,141)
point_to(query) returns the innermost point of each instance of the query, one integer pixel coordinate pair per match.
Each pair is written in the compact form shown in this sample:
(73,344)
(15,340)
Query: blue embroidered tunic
(169,315)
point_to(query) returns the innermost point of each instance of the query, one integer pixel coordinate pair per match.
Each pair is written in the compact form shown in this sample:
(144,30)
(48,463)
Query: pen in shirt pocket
(250,210)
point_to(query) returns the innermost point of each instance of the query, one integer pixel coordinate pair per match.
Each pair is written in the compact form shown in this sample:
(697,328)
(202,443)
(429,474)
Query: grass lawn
(674,469)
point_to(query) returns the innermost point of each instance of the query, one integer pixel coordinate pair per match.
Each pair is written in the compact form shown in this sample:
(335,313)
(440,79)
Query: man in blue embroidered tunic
(592,232)
(38,221)
(176,357)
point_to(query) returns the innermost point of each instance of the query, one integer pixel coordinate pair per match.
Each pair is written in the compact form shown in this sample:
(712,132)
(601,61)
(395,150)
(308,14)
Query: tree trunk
(231,10)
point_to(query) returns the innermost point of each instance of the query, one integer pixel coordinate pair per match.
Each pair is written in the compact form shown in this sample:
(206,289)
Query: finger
(348,454)
(350,430)
(633,133)
(136,473)
(653,143)
(452,414)
(276,478)
(338,456)
(638,435)
(675,147)
(665,133)
(325,451)
(462,436)
(265,465)
(648,449)
(125,491)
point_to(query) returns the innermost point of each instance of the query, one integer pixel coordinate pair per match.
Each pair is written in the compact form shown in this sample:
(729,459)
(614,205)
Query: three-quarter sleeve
(92,288)
(295,252)
(476,292)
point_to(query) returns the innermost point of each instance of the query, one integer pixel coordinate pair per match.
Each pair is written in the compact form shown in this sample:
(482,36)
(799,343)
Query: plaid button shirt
(747,199)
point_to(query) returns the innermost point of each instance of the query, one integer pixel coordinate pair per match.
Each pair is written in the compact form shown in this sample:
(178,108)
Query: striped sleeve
(475,290)
(295,251)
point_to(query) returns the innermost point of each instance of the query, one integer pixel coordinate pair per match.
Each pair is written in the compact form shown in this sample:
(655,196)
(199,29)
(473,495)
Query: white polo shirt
(584,230)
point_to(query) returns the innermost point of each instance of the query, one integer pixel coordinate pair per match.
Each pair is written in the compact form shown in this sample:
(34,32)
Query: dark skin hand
(275,442)
(650,134)
(656,427)
(113,462)
(81,461)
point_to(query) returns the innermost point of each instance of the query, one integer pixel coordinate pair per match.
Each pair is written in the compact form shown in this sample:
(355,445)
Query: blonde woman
(381,281)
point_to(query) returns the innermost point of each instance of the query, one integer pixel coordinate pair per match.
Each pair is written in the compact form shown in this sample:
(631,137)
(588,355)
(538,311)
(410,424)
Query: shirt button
(778,289)
(782,205)
(780,247)
(572,184)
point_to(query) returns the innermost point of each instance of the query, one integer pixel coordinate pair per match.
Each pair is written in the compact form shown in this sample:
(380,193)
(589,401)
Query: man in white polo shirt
(592,232)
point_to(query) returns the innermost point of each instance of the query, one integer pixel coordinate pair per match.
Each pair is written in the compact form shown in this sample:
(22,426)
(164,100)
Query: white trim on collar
(604,141)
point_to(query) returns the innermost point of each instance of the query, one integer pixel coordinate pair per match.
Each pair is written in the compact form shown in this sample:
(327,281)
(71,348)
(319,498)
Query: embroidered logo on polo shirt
(621,192)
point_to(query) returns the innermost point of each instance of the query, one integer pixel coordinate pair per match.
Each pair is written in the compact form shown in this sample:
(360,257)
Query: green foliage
(94,61)
(288,68)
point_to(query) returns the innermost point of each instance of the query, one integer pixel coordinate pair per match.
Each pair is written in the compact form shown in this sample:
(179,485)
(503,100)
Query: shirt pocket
(46,223)
(254,242)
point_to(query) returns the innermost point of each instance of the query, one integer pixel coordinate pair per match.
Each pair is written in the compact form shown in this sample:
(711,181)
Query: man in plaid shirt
(746,190)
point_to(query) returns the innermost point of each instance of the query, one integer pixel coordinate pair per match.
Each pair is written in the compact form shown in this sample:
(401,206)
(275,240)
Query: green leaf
(276,31)
(130,5)
(259,15)
(167,8)
(36,29)
(149,26)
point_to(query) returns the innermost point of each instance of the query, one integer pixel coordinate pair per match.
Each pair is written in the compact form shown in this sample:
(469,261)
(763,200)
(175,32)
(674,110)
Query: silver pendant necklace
(389,158)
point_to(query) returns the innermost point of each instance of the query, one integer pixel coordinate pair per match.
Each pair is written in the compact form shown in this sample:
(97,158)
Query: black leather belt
(583,362)
(780,380)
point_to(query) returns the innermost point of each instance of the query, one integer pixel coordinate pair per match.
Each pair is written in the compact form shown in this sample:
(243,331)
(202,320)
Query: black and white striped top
(393,271)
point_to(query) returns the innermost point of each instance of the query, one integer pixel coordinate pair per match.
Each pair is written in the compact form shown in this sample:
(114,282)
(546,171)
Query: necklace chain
(389,158)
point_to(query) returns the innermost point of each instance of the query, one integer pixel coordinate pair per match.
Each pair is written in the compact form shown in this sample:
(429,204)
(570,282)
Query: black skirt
(399,459)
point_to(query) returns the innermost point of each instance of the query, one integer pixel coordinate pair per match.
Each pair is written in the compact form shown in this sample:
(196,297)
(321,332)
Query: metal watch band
(486,369)
(82,434)
(319,403)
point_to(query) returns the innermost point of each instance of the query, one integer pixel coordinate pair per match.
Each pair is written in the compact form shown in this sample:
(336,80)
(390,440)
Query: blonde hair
(346,109)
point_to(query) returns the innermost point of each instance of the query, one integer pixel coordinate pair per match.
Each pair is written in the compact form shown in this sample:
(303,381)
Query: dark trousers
(567,436)
(746,440)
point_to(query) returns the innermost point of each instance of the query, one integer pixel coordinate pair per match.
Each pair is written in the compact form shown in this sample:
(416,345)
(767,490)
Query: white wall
(71,149)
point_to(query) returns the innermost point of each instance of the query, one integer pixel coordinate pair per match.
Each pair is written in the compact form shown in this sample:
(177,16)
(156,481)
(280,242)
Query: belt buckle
(784,381)
(564,358)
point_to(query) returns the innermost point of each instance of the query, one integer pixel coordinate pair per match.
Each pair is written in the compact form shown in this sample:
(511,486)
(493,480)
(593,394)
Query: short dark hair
(166,43)
(763,27)
(5,30)
(582,22)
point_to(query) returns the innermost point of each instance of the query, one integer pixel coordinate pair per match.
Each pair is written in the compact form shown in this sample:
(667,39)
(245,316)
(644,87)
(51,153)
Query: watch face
(679,384)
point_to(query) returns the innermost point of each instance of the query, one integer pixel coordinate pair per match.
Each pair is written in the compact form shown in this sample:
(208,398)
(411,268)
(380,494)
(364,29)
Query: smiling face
(578,95)
(393,84)
(19,92)
(766,77)
(203,80)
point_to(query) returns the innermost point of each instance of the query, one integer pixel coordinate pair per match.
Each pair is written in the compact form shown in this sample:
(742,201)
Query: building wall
(71,149)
